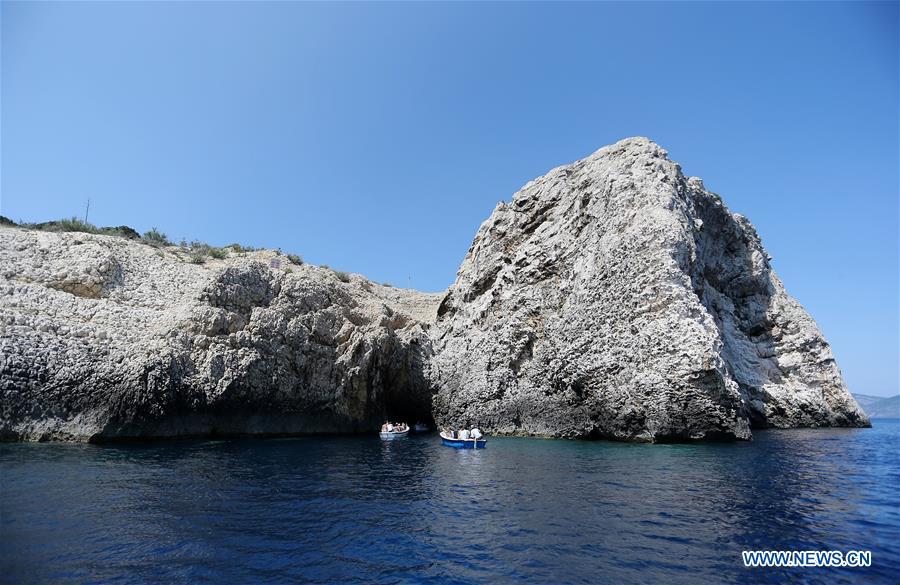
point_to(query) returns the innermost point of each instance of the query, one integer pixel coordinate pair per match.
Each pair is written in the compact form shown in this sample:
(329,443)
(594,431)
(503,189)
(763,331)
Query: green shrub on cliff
(70,225)
(154,237)
(202,249)
(238,248)
(198,252)
(74,224)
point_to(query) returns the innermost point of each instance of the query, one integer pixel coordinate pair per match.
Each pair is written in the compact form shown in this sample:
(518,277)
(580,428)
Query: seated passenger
(476,433)
(464,434)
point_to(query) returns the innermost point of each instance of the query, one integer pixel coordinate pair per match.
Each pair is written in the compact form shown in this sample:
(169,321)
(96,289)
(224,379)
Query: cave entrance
(405,404)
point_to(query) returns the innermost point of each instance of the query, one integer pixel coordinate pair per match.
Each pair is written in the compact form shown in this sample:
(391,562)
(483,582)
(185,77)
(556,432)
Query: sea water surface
(358,509)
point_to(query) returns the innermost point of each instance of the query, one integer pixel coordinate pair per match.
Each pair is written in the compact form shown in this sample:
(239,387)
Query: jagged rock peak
(616,298)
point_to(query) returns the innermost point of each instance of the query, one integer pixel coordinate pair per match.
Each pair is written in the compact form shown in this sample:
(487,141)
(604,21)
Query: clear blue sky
(377,137)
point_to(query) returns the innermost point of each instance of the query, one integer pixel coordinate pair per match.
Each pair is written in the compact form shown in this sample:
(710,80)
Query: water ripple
(358,510)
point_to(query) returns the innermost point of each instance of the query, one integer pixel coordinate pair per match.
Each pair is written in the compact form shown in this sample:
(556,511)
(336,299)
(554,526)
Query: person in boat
(464,434)
(476,433)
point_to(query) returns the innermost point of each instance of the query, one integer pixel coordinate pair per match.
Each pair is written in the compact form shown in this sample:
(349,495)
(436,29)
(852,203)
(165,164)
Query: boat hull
(464,443)
(388,436)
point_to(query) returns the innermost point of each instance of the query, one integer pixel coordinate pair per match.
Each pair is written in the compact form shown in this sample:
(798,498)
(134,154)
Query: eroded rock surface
(611,298)
(103,337)
(616,298)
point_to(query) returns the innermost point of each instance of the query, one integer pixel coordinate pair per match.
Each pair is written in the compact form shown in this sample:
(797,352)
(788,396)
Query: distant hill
(879,406)
(867,400)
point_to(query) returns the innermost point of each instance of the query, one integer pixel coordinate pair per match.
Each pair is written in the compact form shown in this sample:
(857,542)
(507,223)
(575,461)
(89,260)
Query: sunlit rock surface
(104,337)
(616,298)
(611,298)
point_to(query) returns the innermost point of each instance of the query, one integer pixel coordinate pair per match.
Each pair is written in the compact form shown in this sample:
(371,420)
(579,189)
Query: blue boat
(449,441)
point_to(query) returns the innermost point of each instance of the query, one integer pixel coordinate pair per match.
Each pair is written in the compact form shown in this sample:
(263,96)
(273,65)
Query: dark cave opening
(401,405)
(406,397)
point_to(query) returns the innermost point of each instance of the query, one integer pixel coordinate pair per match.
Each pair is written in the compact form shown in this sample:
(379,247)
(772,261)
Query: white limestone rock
(108,338)
(615,298)
(610,298)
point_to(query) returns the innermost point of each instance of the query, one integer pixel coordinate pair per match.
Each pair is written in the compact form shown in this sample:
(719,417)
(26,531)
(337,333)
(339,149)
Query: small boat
(449,441)
(393,434)
(398,432)
(421,428)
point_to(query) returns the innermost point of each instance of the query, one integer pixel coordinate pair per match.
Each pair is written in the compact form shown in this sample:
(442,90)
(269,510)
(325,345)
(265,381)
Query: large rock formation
(616,298)
(104,337)
(611,298)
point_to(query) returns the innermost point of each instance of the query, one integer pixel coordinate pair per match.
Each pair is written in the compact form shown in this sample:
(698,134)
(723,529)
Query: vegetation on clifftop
(197,252)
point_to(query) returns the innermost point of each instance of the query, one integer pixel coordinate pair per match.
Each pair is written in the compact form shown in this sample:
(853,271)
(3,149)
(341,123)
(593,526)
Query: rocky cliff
(616,298)
(610,298)
(104,337)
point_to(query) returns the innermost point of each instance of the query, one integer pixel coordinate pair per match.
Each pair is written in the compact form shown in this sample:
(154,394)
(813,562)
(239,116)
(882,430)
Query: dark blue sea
(359,510)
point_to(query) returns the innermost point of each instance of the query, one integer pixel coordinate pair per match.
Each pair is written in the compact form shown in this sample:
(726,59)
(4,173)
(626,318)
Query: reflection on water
(360,509)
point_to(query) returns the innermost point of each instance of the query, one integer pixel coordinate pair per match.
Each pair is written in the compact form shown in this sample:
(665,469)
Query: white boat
(394,434)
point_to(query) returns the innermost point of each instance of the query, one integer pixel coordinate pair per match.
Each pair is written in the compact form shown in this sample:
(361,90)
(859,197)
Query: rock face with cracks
(107,338)
(611,298)
(616,298)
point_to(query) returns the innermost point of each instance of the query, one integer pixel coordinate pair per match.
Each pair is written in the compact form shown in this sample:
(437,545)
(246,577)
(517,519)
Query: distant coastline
(879,406)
